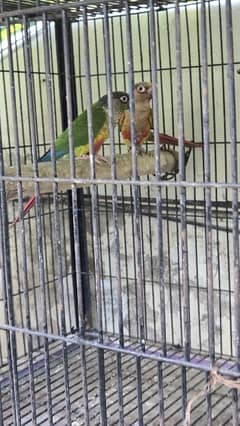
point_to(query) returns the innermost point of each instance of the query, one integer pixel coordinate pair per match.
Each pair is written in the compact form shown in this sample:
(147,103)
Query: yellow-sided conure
(80,132)
(144,121)
(143,116)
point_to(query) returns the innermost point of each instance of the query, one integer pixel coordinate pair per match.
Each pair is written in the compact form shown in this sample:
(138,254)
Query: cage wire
(120,296)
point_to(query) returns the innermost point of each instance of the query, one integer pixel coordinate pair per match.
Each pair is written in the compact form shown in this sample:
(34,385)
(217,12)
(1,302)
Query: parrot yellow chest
(98,141)
(142,125)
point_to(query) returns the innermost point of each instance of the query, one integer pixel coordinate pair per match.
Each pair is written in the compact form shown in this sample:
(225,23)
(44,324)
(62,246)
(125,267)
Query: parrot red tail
(170,140)
(26,209)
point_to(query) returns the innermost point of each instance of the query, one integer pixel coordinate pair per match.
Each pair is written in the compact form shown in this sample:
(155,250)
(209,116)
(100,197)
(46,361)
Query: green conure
(100,125)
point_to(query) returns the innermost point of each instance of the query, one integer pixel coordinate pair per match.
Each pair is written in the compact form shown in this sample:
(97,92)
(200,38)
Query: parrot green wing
(80,133)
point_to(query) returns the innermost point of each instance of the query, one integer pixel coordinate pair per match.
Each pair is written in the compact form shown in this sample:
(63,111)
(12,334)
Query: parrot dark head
(120,103)
(143,92)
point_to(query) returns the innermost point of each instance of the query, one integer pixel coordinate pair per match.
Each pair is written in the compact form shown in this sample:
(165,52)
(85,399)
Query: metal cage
(120,296)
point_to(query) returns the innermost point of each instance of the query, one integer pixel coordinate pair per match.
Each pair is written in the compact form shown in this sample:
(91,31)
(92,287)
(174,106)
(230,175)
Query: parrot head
(120,103)
(142,92)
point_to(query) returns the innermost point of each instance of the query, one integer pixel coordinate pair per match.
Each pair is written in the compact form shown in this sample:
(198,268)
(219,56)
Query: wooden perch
(146,165)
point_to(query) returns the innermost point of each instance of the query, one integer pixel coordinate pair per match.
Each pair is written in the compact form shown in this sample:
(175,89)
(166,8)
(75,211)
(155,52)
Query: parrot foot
(83,157)
(139,149)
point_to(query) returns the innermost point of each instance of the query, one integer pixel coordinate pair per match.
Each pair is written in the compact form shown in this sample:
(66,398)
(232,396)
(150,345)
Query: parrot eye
(141,88)
(124,99)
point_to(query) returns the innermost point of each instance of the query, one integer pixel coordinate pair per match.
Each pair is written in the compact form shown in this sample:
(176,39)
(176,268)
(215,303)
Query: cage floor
(221,398)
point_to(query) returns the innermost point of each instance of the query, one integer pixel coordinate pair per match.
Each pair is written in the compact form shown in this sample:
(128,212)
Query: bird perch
(146,165)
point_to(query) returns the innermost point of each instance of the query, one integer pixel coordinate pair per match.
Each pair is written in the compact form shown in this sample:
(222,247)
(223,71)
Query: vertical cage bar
(1,405)
(234,167)
(182,177)
(6,244)
(38,86)
(153,53)
(194,120)
(57,230)
(123,190)
(28,69)
(208,202)
(153,56)
(226,168)
(136,189)
(80,192)
(157,173)
(3,76)
(183,225)
(113,165)
(141,36)
(31,103)
(6,278)
(162,90)
(139,391)
(75,217)
(64,121)
(170,45)
(18,79)
(95,223)
(114,208)
(235,213)
(207,178)
(136,218)
(161,394)
(107,211)
(58,249)
(15,125)
(38,226)
(199,62)
(51,130)
(212,30)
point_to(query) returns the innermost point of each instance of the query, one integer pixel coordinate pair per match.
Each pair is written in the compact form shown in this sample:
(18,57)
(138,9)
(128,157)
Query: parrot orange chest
(101,137)
(142,125)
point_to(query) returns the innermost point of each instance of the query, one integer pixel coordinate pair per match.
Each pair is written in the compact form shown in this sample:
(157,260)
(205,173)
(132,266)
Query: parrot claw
(84,157)
(139,149)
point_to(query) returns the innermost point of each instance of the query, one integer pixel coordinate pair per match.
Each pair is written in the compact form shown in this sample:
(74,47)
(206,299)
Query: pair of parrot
(143,125)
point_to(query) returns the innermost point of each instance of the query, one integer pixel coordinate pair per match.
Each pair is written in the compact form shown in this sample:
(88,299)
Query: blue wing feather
(47,156)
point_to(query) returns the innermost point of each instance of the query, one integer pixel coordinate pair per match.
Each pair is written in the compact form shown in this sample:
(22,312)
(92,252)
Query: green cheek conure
(100,124)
